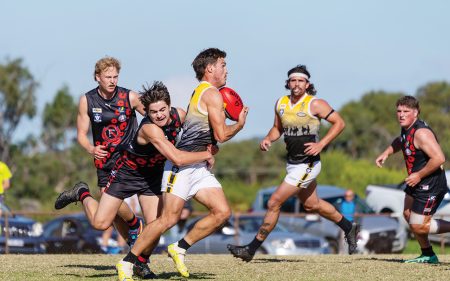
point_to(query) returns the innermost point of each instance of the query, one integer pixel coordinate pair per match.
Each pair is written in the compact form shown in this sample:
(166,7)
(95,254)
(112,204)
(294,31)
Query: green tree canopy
(17,99)
(59,120)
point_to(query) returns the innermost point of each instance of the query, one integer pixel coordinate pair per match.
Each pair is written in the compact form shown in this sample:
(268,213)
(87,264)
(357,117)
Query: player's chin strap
(419,219)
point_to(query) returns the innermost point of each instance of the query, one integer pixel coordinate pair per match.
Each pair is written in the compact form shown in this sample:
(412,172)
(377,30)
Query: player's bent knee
(274,205)
(420,229)
(311,207)
(101,225)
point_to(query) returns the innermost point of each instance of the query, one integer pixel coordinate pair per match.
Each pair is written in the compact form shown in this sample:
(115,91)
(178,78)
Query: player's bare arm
(152,133)
(425,140)
(274,133)
(214,104)
(136,103)
(391,149)
(83,124)
(322,109)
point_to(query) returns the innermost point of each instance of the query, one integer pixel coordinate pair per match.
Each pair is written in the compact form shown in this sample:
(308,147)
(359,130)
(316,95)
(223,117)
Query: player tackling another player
(297,117)
(426,181)
(204,125)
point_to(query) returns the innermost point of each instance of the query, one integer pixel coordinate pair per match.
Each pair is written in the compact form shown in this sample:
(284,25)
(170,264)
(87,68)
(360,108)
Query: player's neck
(105,94)
(295,98)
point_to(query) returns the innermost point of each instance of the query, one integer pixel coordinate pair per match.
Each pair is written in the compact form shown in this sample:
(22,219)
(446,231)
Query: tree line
(45,164)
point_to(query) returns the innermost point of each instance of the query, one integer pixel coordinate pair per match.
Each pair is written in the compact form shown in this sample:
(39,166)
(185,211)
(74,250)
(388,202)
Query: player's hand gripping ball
(232,103)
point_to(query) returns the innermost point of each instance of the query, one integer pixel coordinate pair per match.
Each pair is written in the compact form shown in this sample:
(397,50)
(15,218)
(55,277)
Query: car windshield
(361,205)
(4,209)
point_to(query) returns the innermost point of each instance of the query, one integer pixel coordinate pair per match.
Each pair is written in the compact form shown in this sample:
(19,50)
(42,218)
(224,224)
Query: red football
(232,103)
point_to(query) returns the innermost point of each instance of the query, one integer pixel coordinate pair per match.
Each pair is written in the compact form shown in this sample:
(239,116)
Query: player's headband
(298,74)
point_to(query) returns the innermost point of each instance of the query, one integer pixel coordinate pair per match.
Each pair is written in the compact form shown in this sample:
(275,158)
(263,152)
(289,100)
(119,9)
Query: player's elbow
(220,138)
(441,159)
(342,124)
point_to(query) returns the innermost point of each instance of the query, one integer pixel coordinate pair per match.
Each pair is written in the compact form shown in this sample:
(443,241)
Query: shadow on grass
(266,260)
(95,267)
(176,276)
(402,261)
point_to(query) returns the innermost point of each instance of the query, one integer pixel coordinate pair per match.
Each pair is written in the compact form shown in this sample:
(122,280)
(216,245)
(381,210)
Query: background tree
(59,120)
(435,109)
(370,124)
(17,99)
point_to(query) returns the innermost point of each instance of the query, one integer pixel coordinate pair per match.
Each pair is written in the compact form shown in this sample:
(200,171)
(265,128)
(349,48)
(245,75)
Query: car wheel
(334,246)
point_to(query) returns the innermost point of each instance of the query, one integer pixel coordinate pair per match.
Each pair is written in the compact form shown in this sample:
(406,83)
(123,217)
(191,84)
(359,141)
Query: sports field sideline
(225,267)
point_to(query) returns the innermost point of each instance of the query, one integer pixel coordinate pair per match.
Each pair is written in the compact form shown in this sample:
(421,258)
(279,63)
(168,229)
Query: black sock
(143,258)
(345,225)
(183,244)
(254,245)
(428,251)
(83,193)
(130,257)
(133,223)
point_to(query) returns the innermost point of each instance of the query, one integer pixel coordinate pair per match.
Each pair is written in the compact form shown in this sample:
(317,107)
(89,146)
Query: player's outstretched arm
(214,105)
(152,133)
(391,149)
(274,133)
(83,124)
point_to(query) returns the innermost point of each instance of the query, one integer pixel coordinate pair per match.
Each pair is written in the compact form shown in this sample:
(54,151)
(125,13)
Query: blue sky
(350,47)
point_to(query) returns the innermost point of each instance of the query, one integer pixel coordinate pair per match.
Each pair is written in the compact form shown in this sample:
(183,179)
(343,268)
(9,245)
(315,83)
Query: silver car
(279,242)
(378,233)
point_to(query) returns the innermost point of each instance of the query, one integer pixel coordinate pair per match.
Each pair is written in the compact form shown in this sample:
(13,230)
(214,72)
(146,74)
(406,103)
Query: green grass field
(225,267)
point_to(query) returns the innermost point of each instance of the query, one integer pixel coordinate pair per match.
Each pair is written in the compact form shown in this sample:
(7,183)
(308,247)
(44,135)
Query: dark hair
(205,58)
(157,92)
(301,69)
(409,101)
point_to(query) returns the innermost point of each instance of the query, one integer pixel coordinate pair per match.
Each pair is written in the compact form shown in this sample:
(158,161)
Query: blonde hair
(104,63)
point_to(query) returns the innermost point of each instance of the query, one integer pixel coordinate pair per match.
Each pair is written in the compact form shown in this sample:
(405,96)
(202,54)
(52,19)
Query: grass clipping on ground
(225,267)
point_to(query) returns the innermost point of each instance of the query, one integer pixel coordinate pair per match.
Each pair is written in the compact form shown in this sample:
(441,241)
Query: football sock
(254,245)
(428,251)
(345,225)
(143,258)
(130,257)
(133,223)
(83,193)
(183,244)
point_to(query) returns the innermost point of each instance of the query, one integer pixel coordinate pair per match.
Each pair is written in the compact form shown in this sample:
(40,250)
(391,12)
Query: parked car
(378,234)
(279,242)
(390,199)
(73,234)
(22,233)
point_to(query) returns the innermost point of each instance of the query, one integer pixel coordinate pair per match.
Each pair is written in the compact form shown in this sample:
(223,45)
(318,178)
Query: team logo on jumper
(97,117)
(408,152)
(122,118)
(281,112)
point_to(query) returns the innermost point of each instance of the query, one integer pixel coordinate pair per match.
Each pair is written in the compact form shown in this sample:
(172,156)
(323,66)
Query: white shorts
(186,181)
(301,175)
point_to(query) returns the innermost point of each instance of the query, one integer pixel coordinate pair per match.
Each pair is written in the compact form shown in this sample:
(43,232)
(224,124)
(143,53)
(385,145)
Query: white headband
(299,74)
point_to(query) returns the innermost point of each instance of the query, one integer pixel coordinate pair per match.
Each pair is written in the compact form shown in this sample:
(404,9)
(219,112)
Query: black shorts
(428,194)
(104,173)
(103,177)
(124,181)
